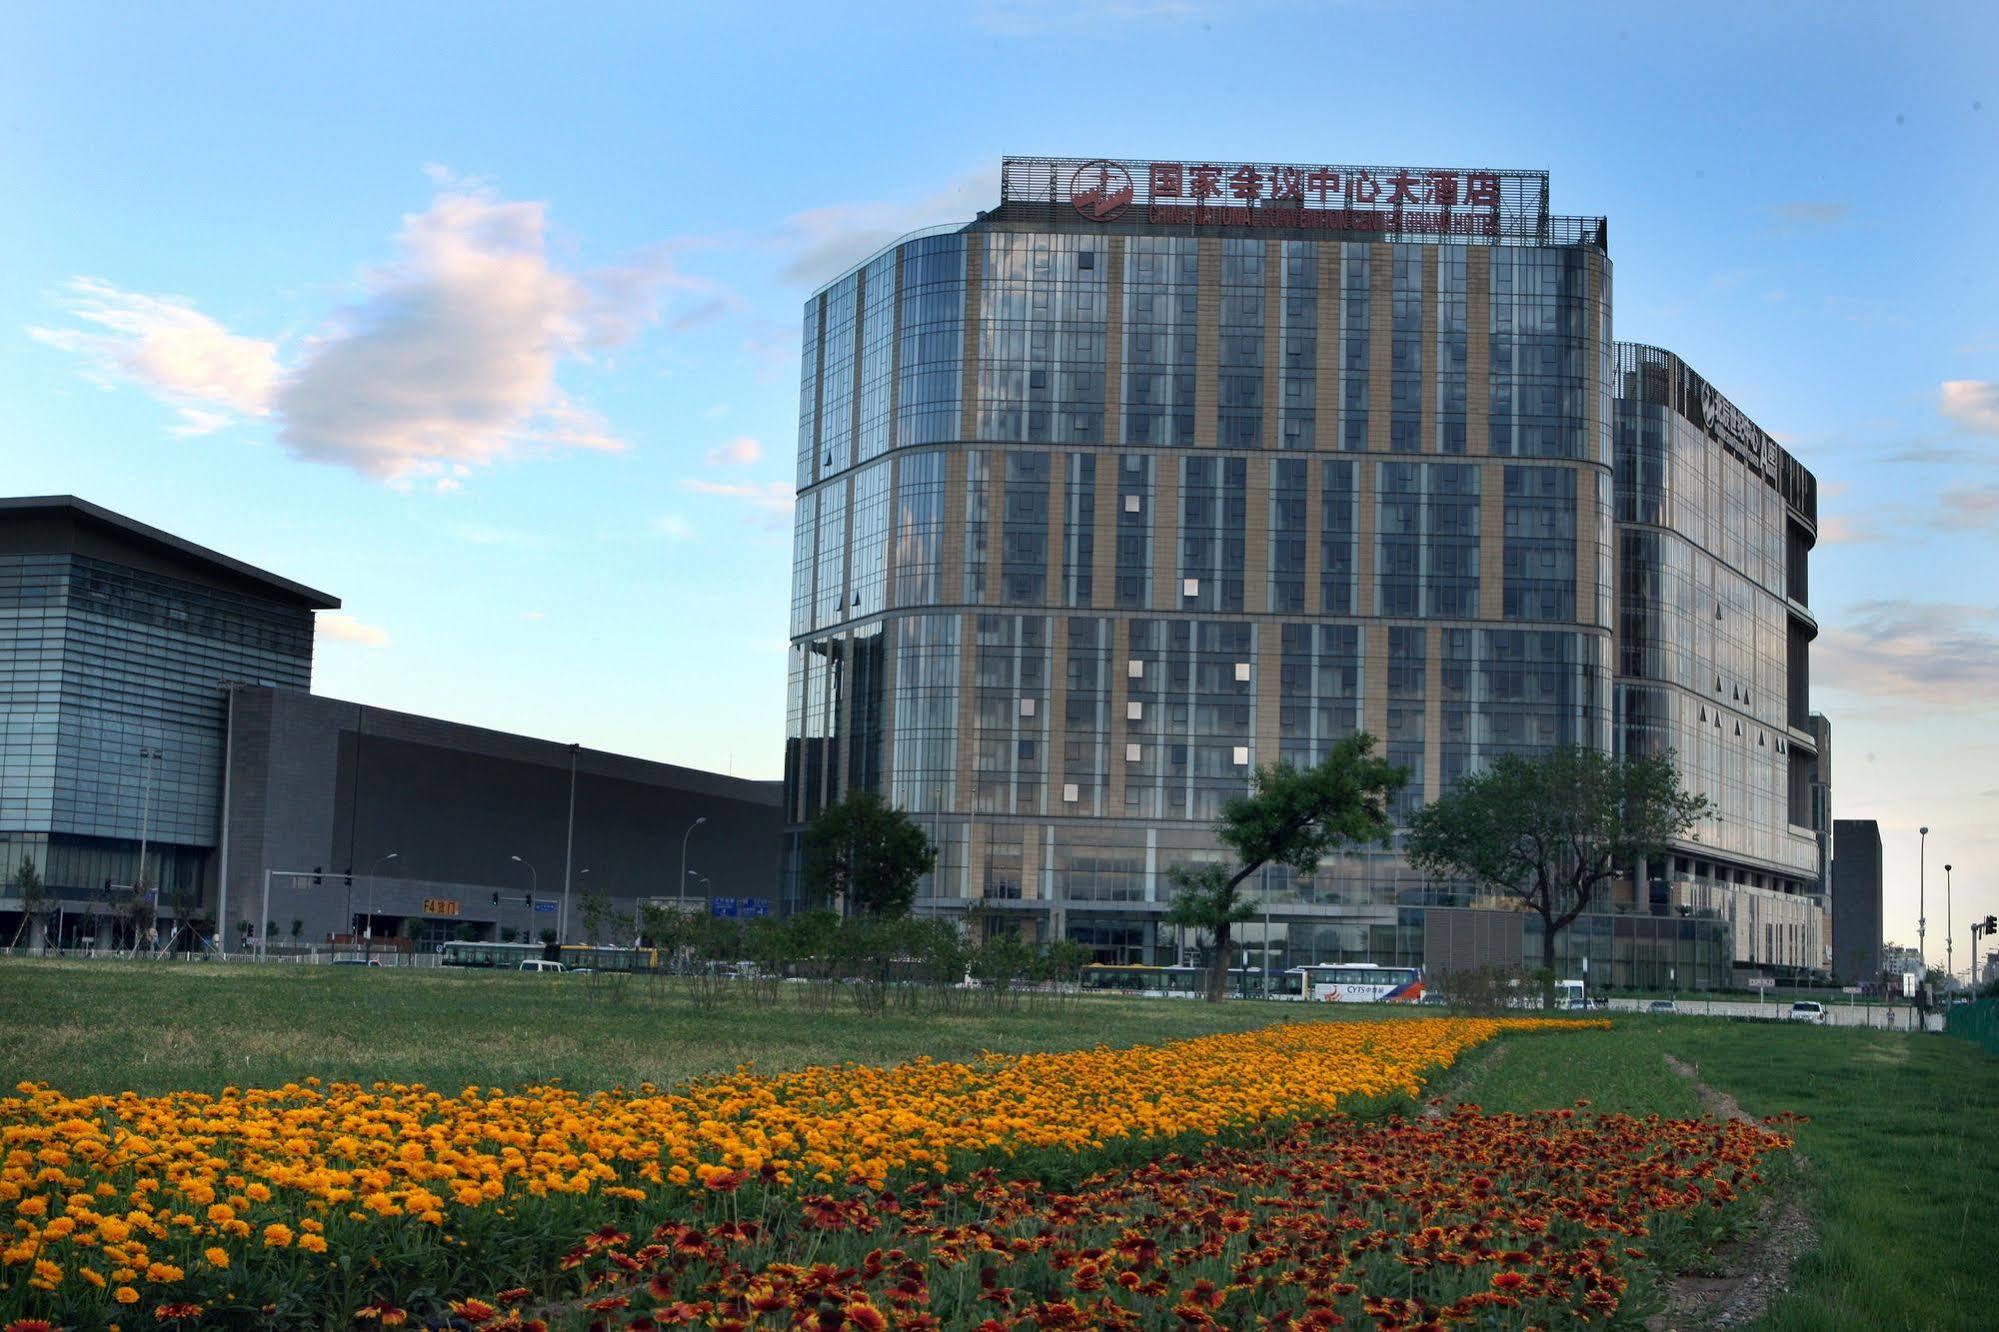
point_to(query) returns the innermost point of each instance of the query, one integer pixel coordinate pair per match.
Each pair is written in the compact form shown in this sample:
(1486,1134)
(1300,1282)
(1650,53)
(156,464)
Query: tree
(866,854)
(1549,831)
(1291,816)
(596,914)
(34,897)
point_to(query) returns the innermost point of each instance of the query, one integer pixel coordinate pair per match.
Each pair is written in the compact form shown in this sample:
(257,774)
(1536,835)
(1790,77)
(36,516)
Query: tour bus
(573,957)
(473,953)
(1357,983)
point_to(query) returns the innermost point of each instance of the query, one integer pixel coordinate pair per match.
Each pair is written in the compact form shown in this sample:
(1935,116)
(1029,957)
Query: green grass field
(1902,1143)
(115,1026)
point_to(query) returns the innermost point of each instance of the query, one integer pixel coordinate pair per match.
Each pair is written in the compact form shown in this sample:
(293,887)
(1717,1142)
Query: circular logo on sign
(1101,191)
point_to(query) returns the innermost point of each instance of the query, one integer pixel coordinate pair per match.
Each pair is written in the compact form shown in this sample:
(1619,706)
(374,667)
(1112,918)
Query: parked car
(1662,1006)
(1808,1010)
(536,964)
(355,962)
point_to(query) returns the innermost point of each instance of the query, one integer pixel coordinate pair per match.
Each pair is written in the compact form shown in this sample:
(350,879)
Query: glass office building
(117,642)
(1715,527)
(1158,472)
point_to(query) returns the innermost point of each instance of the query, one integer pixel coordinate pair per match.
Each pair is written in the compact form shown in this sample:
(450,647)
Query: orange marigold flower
(125,1295)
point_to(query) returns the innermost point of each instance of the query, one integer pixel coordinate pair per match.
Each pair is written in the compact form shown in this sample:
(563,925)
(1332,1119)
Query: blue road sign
(722,906)
(756,906)
(544,908)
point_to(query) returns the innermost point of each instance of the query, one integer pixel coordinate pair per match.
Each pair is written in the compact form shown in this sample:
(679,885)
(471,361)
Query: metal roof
(82,510)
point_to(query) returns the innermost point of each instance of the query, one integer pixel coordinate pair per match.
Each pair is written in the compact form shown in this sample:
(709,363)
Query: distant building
(1897,960)
(1156,472)
(1856,900)
(118,643)
(154,695)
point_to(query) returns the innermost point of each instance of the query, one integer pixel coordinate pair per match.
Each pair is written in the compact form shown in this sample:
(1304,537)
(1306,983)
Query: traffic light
(350,876)
(496,899)
(1992,924)
(315,876)
(527,899)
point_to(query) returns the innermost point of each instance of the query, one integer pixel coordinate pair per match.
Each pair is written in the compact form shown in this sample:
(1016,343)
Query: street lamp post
(681,887)
(1922,908)
(148,755)
(1949,945)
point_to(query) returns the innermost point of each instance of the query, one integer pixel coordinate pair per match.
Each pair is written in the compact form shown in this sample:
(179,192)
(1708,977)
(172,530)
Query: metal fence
(1975,1022)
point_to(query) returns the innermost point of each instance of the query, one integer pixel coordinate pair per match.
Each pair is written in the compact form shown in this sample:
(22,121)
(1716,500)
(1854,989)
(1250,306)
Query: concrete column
(1268,674)
(1478,349)
(952,592)
(1166,531)
(1256,561)
(1381,343)
(1431,371)
(1114,343)
(1326,383)
(968,386)
(1492,541)
(1207,346)
(1273,345)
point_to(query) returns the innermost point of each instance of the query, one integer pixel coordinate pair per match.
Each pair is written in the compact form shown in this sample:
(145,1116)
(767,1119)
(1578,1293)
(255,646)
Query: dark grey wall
(319,782)
(1856,900)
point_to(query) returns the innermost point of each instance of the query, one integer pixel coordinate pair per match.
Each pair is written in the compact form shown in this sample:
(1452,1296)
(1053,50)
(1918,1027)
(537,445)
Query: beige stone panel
(1492,541)
(1588,533)
(1273,344)
(1114,344)
(1432,283)
(995,524)
(1256,561)
(1103,526)
(952,593)
(1207,343)
(1326,384)
(1381,343)
(1364,524)
(1269,677)
(968,386)
(1058,527)
(1166,532)
(1120,693)
(1374,679)
(1055,714)
(1433,711)
(1478,348)
(968,739)
(978,844)
(1030,860)
(1315,532)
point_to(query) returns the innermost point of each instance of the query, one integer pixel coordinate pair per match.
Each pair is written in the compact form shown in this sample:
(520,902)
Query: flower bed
(304,1202)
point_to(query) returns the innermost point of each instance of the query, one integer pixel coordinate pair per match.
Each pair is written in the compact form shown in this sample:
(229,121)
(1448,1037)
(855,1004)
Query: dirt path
(1746,1275)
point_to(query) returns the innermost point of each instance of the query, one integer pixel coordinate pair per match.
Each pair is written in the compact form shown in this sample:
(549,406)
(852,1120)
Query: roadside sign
(756,906)
(544,908)
(1761,983)
(724,907)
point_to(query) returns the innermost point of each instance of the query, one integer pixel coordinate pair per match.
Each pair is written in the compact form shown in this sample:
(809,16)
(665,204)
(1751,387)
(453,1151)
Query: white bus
(1358,983)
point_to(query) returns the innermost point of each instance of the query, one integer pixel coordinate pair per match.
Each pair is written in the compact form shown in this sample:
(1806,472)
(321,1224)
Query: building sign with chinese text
(1427,200)
(439,906)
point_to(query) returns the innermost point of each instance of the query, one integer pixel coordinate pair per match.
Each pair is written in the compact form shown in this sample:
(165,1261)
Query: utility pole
(1949,944)
(147,755)
(1922,908)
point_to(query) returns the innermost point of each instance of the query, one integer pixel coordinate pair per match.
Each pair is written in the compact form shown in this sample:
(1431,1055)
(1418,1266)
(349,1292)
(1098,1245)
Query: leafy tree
(596,914)
(27,885)
(866,854)
(1291,816)
(1549,831)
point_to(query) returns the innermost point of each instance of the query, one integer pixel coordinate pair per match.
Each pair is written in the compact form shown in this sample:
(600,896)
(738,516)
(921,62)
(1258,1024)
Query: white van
(536,964)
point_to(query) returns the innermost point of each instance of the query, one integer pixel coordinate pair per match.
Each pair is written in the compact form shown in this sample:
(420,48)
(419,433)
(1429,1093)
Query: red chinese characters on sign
(1165,180)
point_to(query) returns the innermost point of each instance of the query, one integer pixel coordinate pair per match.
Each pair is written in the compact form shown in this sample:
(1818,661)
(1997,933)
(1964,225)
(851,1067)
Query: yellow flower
(125,1295)
(217,1256)
(277,1235)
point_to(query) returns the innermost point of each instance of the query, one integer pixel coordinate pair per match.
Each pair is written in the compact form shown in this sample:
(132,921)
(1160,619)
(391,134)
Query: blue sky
(487,322)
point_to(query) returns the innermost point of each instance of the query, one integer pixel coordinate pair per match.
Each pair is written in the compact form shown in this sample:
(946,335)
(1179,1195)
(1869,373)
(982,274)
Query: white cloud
(772,499)
(1839,530)
(169,348)
(824,242)
(531,616)
(1926,652)
(738,452)
(448,359)
(1971,508)
(673,527)
(338,627)
(1972,403)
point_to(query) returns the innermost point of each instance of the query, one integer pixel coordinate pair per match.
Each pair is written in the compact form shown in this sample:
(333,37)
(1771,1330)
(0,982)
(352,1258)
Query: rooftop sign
(1420,200)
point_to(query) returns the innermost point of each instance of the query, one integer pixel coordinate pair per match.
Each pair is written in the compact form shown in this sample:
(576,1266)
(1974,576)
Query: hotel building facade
(1157,472)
